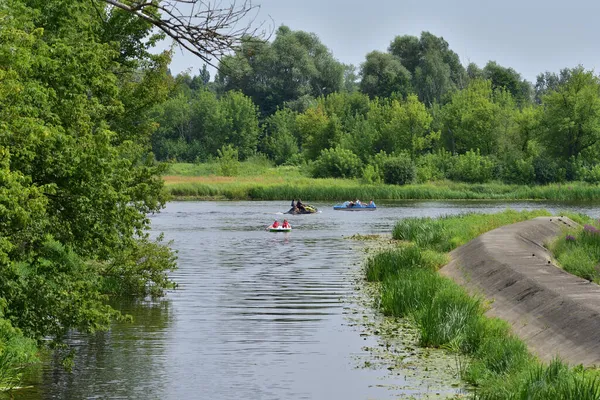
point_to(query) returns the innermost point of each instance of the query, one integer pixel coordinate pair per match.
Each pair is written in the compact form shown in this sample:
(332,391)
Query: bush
(518,171)
(371,174)
(472,167)
(337,163)
(434,166)
(591,174)
(399,171)
(548,170)
(228,161)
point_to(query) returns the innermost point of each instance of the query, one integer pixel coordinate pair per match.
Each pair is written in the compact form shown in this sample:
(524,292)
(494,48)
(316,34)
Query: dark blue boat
(351,206)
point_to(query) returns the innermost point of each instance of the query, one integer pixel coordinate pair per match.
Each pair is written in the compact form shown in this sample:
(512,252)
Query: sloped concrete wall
(554,312)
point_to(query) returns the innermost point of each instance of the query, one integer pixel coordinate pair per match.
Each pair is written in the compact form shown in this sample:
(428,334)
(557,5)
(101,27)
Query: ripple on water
(258,315)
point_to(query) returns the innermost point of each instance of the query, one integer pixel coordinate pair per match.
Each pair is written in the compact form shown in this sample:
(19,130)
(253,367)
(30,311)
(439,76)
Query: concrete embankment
(554,312)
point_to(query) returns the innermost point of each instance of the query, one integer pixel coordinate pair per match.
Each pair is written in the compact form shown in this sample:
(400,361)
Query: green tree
(207,121)
(383,74)
(362,139)
(470,120)
(77,174)
(510,80)
(318,131)
(571,118)
(241,123)
(436,70)
(294,65)
(279,141)
(413,127)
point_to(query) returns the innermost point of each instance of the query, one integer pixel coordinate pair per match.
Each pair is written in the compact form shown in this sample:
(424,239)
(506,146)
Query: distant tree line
(414,109)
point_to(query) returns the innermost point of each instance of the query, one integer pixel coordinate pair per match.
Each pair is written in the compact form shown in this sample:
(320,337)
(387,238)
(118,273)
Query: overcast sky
(531,36)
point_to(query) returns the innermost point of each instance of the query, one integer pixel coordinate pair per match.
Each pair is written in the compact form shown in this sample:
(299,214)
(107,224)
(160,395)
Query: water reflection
(257,315)
(125,362)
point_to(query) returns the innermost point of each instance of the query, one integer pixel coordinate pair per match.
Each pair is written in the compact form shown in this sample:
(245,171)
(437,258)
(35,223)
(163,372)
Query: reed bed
(261,182)
(497,363)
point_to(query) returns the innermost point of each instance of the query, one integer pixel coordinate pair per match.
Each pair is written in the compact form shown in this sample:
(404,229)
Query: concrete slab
(554,312)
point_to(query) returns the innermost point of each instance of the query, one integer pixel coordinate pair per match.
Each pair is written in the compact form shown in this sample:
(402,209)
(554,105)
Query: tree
(474,72)
(436,70)
(279,141)
(571,117)
(432,78)
(318,131)
(383,74)
(296,64)
(241,123)
(509,79)
(412,124)
(351,83)
(78,178)
(205,29)
(470,119)
(550,81)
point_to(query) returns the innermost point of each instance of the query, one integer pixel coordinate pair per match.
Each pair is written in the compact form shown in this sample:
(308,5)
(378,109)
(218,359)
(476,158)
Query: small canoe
(279,229)
(346,206)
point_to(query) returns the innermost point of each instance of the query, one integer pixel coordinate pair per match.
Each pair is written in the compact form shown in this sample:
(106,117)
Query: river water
(258,315)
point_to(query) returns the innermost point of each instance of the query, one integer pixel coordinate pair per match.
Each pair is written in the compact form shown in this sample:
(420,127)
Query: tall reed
(500,365)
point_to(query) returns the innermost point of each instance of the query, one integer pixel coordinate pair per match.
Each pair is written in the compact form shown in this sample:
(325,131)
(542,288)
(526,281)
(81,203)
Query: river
(259,315)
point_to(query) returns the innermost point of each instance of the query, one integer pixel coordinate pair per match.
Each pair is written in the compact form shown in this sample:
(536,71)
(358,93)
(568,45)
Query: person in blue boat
(371,203)
(355,203)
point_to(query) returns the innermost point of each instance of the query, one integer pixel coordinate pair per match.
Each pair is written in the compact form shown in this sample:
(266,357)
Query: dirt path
(554,312)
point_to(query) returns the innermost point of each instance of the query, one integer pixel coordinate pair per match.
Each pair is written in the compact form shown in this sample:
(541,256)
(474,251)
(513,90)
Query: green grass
(499,365)
(578,250)
(257,180)
(446,233)
(16,352)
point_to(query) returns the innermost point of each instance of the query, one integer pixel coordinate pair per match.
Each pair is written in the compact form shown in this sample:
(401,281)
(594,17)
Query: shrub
(228,160)
(399,170)
(337,163)
(427,170)
(371,175)
(519,171)
(548,170)
(472,167)
(591,174)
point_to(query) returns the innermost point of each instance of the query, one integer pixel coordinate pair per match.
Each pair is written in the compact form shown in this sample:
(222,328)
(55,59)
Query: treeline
(77,177)
(411,113)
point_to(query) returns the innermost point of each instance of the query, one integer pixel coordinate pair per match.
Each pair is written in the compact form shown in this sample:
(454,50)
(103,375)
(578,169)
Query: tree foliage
(436,70)
(383,74)
(572,115)
(294,65)
(77,177)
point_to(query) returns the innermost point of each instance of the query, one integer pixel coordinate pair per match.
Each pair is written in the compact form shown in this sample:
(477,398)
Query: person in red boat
(286,224)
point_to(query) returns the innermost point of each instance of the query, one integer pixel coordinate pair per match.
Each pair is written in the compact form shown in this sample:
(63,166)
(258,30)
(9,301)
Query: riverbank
(202,182)
(557,314)
(496,362)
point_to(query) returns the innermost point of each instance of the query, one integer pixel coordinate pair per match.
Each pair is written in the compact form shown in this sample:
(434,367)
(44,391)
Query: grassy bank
(496,363)
(257,181)
(578,250)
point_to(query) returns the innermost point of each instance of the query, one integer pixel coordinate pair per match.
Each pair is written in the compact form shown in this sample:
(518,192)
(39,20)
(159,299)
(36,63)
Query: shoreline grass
(499,365)
(202,182)
(577,251)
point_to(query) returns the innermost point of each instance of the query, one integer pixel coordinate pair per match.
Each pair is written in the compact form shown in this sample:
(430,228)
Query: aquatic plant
(499,365)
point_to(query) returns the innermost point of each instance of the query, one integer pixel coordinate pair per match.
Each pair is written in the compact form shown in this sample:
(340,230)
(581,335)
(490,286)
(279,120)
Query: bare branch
(204,28)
